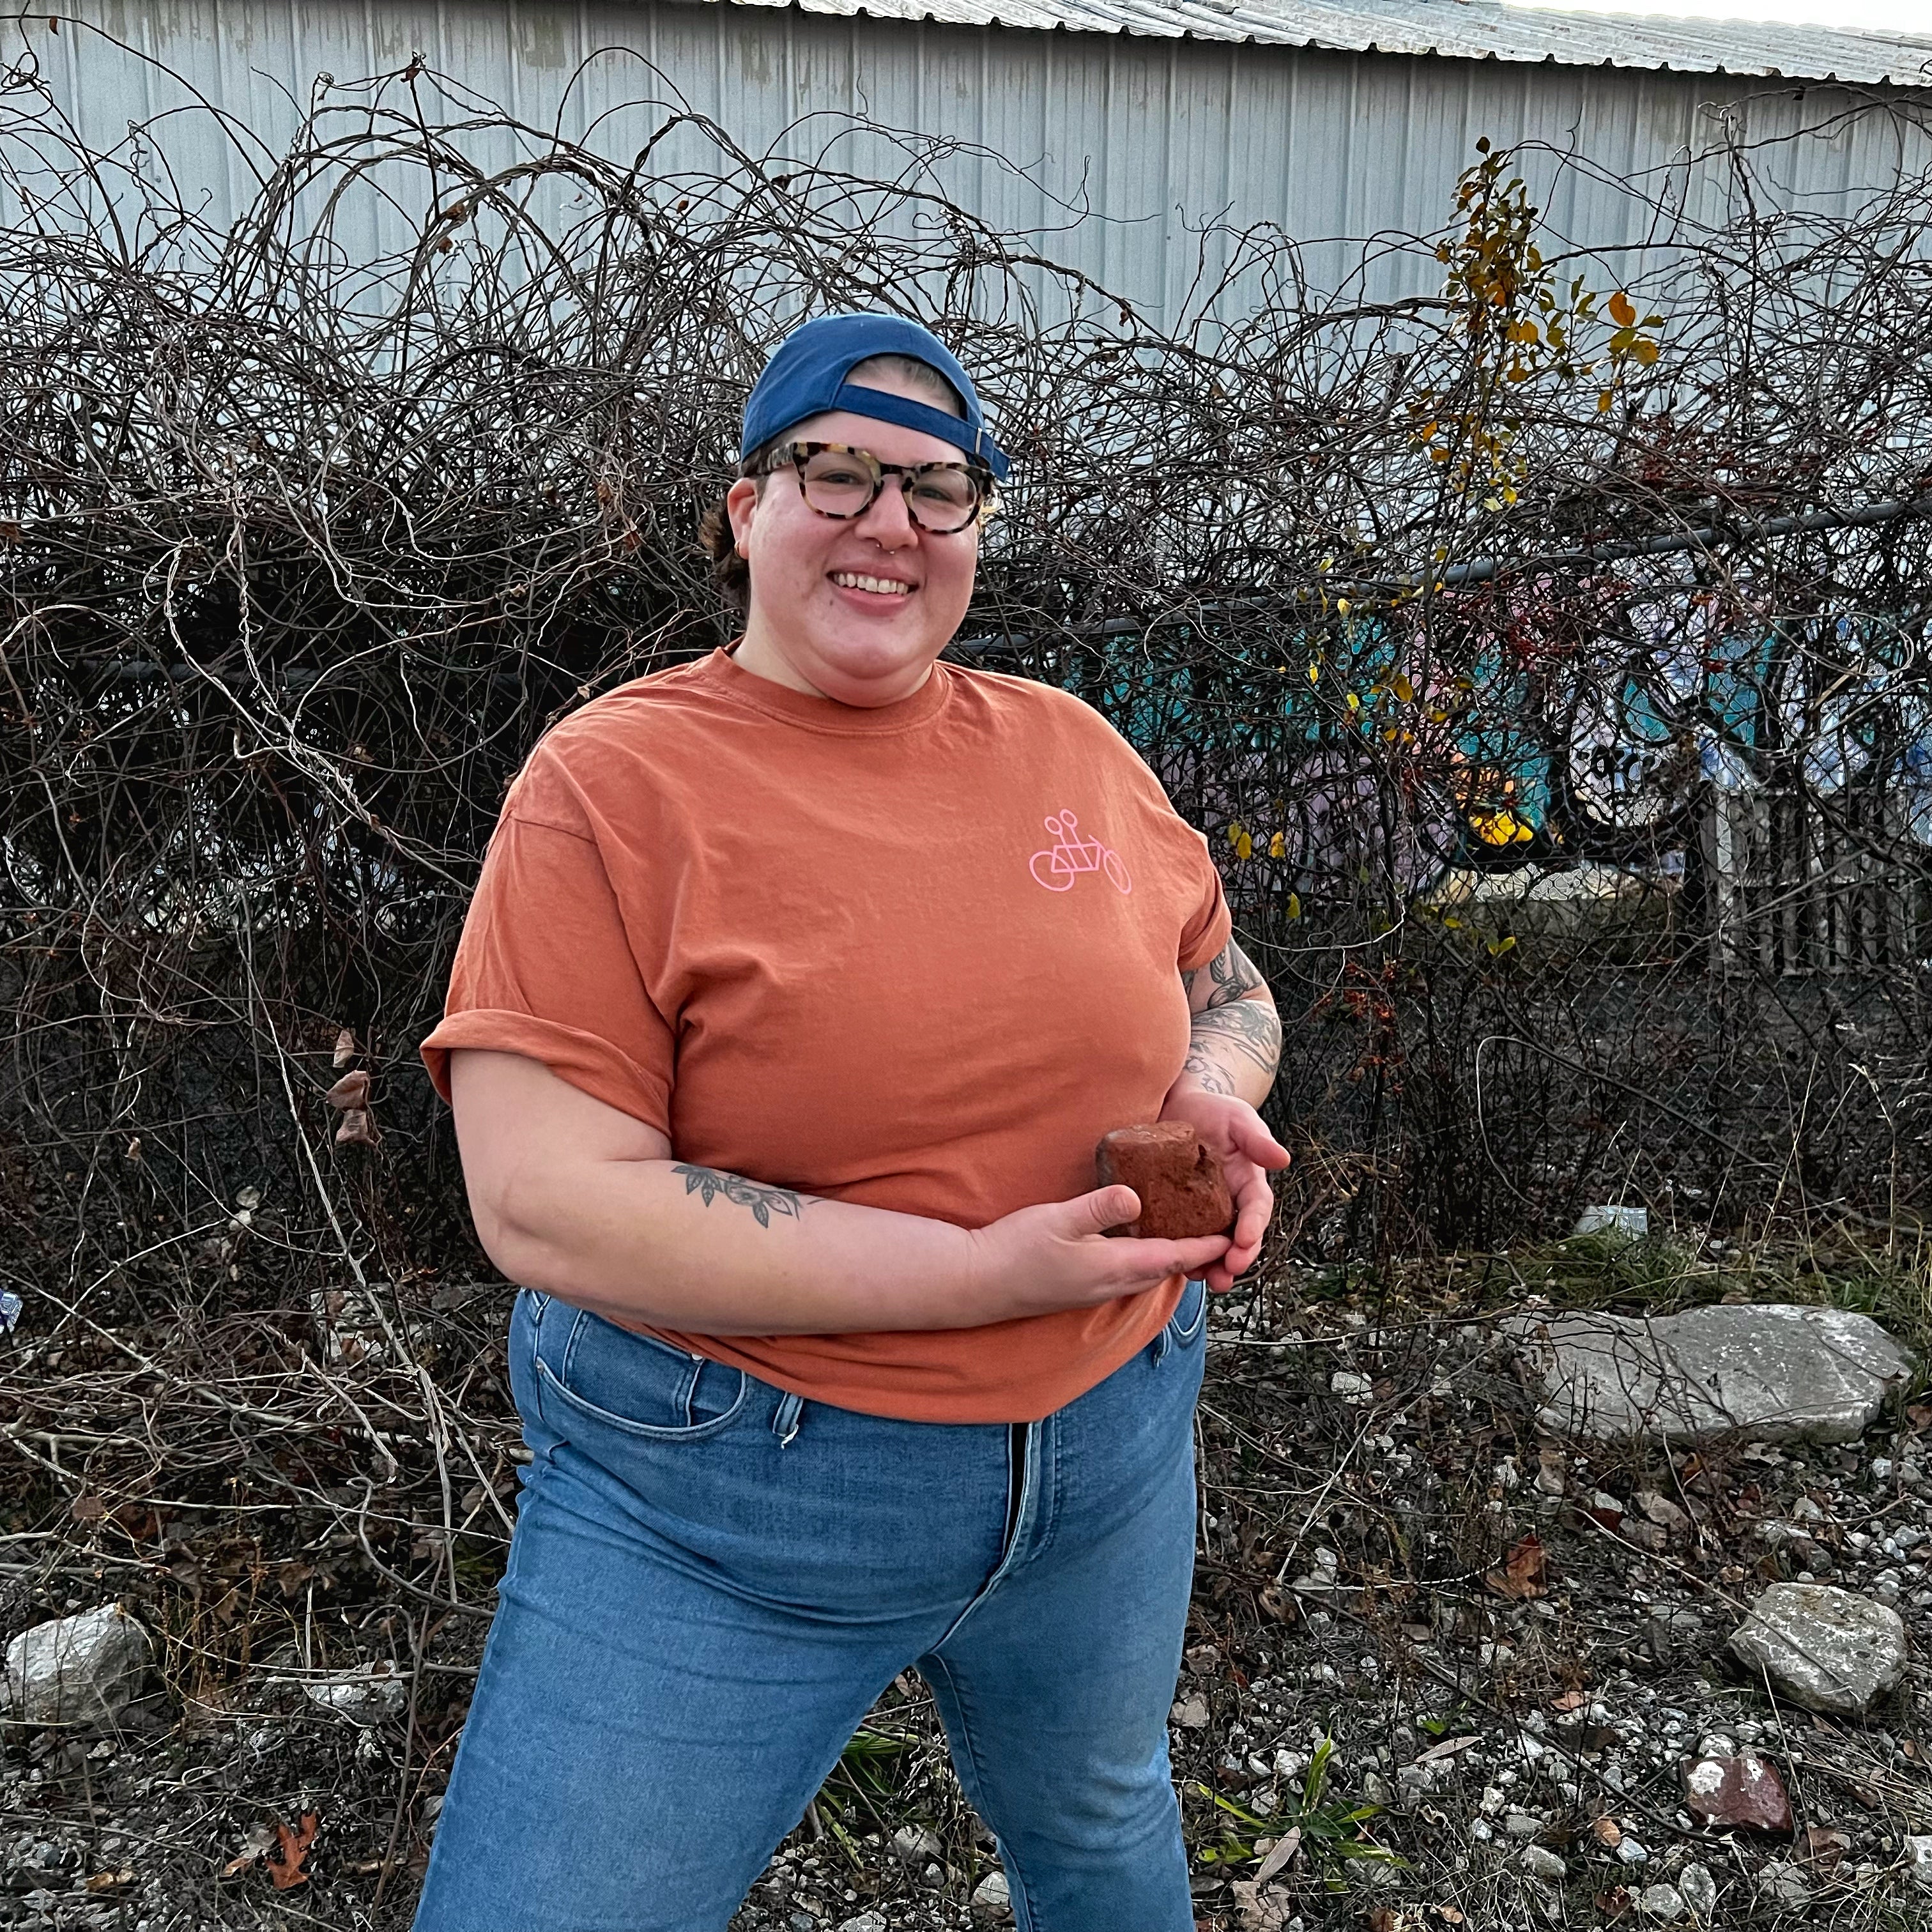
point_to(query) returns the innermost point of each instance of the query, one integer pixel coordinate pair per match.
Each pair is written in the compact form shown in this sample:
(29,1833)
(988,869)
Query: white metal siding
(1154,137)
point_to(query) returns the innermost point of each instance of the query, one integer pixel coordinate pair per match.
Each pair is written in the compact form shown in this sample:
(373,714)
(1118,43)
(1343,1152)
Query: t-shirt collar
(725,674)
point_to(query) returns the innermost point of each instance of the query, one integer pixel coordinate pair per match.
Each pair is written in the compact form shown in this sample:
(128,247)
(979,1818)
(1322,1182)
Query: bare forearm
(680,1246)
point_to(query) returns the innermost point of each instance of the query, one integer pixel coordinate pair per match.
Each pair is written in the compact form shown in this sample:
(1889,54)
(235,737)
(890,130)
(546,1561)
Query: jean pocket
(636,1384)
(1190,1313)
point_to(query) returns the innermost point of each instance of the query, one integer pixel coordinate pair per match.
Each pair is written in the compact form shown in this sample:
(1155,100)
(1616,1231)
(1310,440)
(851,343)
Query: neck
(756,652)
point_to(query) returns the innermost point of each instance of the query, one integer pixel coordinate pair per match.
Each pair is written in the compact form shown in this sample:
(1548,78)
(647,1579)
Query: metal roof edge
(1477,30)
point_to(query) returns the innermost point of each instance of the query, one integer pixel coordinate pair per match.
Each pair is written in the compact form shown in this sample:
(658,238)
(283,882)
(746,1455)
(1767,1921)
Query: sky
(1912,17)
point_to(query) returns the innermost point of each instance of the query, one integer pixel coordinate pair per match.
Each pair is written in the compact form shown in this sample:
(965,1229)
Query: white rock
(1662,1902)
(916,1844)
(1782,1883)
(1540,1861)
(82,1669)
(866,1921)
(1919,1860)
(1700,1890)
(1189,1714)
(1630,1853)
(992,1900)
(365,1693)
(1350,1386)
(1775,1372)
(1829,1649)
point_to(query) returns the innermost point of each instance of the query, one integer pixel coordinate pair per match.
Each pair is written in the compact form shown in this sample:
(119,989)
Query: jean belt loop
(785,1423)
(1163,1342)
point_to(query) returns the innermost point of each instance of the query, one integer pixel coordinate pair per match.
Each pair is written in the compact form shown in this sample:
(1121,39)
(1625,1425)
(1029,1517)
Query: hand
(1249,1153)
(1060,1255)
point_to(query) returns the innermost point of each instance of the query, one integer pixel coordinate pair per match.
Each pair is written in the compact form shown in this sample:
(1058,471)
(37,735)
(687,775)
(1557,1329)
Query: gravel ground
(1466,1663)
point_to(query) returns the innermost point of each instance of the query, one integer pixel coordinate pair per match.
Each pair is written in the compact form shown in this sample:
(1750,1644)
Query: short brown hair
(715,538)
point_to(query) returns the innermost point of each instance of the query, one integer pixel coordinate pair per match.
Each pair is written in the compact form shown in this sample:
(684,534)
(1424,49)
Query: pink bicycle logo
(1071,855)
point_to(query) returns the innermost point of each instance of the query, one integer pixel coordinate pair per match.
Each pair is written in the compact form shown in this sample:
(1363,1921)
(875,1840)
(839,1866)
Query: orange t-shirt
(919,958)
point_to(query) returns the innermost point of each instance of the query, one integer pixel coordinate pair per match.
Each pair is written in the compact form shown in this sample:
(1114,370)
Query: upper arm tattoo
(764,1201)
(1231,976)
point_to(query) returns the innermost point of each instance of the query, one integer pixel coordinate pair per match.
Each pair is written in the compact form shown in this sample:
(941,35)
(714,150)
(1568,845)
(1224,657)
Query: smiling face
(857,610)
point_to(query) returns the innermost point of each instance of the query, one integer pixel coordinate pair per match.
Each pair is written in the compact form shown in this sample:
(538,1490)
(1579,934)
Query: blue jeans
(712,1582)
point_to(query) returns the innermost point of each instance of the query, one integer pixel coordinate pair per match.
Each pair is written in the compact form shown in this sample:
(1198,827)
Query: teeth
(849,579)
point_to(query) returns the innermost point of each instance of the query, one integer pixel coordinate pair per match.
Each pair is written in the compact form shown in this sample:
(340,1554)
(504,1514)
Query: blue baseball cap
(806,375)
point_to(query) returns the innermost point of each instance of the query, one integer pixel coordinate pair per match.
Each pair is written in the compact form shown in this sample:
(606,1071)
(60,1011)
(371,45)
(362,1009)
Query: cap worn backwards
(806,377)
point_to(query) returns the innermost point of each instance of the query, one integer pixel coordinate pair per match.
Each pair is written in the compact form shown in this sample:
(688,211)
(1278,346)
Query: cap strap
(886,407)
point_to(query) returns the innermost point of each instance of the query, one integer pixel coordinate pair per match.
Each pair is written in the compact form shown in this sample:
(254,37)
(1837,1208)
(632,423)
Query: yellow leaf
(1623,311)
(1645,350)
(1293,905)
(1235,834)
(1354,703)
(1277,846)
(1315,673)
(1498,947)
(1404,689)
(1342,605)
(1244,847)
(1603,397)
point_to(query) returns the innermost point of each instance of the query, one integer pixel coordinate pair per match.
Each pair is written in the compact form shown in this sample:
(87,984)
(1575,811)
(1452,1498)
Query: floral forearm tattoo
(763,1201)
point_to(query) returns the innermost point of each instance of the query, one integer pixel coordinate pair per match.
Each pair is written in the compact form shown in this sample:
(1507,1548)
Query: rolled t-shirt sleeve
(1212,926)
(544,968)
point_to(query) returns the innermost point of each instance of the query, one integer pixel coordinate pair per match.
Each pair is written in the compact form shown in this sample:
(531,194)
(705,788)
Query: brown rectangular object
(1183,1192)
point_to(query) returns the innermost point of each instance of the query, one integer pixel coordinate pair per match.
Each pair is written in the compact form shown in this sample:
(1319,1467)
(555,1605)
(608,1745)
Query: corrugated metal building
(1129,124)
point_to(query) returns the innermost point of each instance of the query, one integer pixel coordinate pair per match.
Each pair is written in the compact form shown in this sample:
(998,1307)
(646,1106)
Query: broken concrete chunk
(1740,1792)
(82,1669)
(1772,1372)
(1829,1649)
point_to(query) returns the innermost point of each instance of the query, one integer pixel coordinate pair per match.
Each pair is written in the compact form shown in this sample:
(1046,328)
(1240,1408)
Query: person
(799,984)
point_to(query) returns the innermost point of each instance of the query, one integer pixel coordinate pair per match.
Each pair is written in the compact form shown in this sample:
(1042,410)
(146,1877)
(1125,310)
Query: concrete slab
(1773,1372)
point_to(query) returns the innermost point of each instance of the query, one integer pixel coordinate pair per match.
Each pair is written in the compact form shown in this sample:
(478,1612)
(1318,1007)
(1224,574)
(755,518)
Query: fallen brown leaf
(1570,1700)
(1445,1747)
(1523,1570)
(1286,1847)
(1825,1847)
(285,1865)
(351,1090)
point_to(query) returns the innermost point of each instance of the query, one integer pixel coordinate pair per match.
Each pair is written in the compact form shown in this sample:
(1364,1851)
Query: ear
(741,504)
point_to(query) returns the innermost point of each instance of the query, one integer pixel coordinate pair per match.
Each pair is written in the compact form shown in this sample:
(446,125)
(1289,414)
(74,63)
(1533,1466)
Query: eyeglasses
(839,481)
